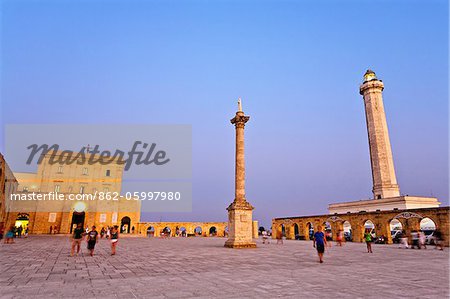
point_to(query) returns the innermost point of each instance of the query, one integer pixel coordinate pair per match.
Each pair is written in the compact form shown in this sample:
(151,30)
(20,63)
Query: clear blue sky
(296,64)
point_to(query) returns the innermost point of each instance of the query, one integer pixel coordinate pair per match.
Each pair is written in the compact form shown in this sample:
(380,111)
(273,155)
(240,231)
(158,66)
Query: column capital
(240,119)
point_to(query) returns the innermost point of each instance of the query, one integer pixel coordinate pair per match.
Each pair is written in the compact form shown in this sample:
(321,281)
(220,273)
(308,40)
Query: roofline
(362,212)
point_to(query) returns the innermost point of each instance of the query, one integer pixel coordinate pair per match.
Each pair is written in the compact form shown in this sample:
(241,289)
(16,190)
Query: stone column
(240,224)
(357,232)
(385,228)
(274,228)
(290,233)
(383,172)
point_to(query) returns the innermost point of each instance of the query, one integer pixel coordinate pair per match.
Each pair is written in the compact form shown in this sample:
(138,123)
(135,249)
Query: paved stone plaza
(40,267)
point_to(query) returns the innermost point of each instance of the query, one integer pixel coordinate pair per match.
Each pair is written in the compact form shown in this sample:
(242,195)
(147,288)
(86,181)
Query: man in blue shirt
(319,242)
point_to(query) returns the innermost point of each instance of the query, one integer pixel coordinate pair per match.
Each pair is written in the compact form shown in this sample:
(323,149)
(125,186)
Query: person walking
(91,239)
(9,237)
(319,242)
(77,236)
(415,239)
(403,240)
(422,239)
(339,238)
(438,240)
(265,237)
(368,239)
(279,238)
(114,239)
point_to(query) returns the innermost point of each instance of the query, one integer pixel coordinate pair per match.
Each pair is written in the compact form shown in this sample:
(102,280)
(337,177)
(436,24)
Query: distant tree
(261,229)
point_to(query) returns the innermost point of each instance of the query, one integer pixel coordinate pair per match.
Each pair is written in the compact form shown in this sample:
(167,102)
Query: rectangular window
(108,172)
(82,189)
(114,217)
(85,171)
(51,217)
(102,218)
(57,188)
(25,189)
(60,169)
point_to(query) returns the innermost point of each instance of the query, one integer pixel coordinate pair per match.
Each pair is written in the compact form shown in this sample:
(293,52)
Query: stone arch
(369,223)
(183,231)
(395,224)
(408,215)
(296,231)
(309,230)
(369,226)
(22,219)
(410,221)
(125,225)
(212,232)
(427,224)
(283,230)
(396,227)
(167,231)
(347,228)
(198,230)
(151,231)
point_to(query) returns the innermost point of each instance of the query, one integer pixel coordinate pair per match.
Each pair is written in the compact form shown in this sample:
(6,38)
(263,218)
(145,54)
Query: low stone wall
(207,228)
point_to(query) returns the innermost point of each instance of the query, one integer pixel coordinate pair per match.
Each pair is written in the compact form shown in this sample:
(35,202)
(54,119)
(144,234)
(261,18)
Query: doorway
(77,217)
(22,220)
(125,225)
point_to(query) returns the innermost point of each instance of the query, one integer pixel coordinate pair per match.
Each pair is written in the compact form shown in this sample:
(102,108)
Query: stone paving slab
(40,267)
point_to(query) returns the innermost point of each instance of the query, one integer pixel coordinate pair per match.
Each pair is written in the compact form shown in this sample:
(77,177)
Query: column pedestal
(240,226)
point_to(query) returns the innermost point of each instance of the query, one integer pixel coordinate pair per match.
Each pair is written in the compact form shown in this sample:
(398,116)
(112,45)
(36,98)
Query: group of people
(418,239)
(167,233)
(105,232)
(91,237)
(13,232)
(322,239)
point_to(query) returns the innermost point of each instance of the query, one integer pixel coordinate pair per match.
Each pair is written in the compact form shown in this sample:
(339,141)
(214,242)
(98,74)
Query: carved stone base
(234,244)
(240,226)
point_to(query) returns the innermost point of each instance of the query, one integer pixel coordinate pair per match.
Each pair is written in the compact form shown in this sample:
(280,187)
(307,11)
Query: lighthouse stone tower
(383,171)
